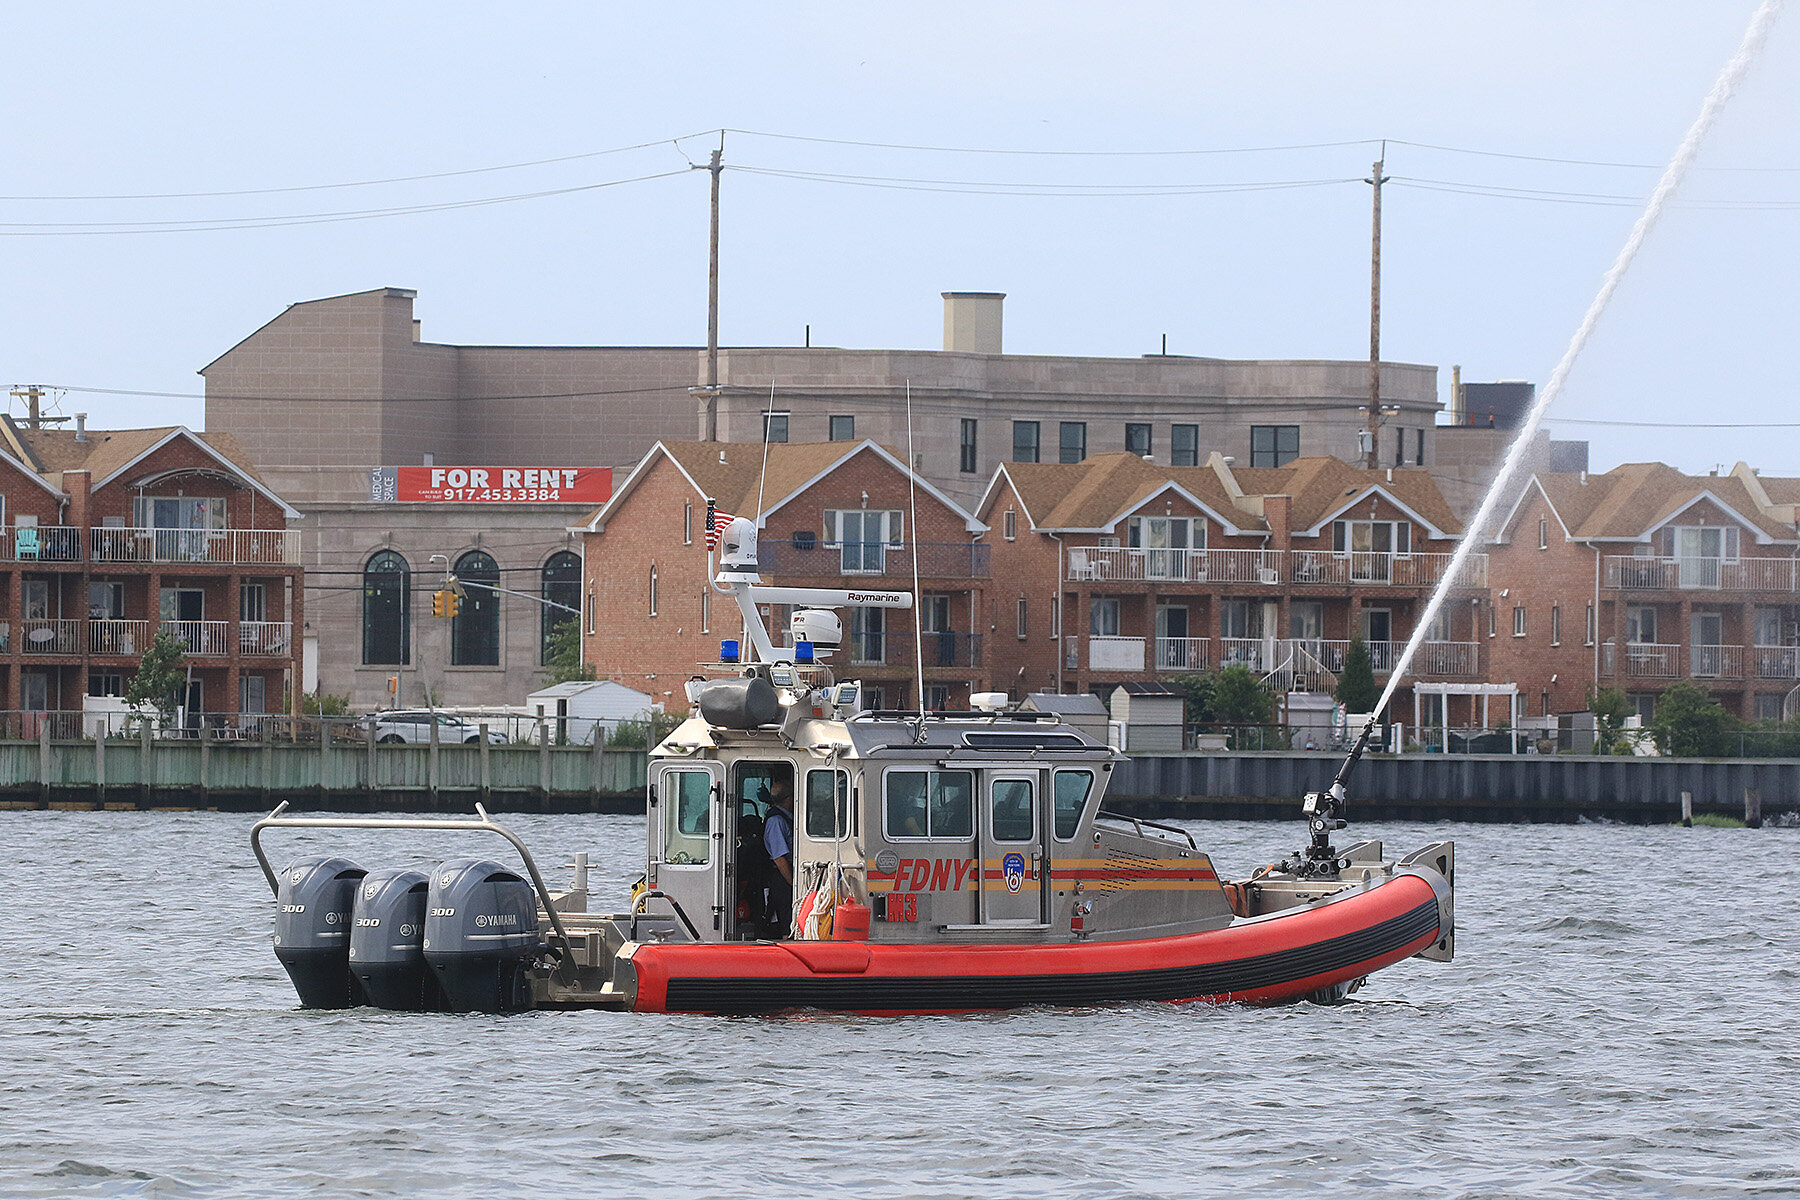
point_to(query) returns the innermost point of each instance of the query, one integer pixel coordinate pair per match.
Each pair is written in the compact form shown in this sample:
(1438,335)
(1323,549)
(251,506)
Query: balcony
(1647,574)
(1382,569)
(263,639)
(40,543)
(1776,662)
(1110,564)
(864,560)
(1108,653)
(118,637)
(203,639)
(1642,660)
(942,649)
(1132,564)
(223,547)
(1182,653)
(38,636)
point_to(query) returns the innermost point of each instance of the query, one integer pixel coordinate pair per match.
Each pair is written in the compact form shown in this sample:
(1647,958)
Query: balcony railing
(1132,564)
(1776,662)
(1701,574)
(1716,662)
(204,638)
(1108,653)
(1182,653)
(937,560)
(264,639)
(1642,660)
(38,636)
(118,637)
(1381,569)
(238,547)
(40,543)
(890,648)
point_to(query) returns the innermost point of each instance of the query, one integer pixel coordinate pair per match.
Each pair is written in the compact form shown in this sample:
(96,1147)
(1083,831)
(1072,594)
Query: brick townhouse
(1642,576)
(108,536)
(1118,569)
(833,515)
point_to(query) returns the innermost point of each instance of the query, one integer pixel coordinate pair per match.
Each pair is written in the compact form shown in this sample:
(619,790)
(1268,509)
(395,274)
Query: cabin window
(687,800)
(1014,814)
(1072,791)
(929,804)
(828,805)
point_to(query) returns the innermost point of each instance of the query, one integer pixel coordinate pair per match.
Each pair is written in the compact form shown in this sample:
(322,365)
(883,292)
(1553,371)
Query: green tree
(1610,707)
(159,679)
(1239,698)
(1356,689)
(565,665)
(643,734)
(1689,723)
(1197,691)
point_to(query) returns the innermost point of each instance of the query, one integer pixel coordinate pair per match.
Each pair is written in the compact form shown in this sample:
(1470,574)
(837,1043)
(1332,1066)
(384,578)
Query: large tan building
(332,390)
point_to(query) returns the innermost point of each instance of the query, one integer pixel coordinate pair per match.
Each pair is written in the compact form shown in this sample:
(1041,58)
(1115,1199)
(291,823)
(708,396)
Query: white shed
(1153,717)
(1083,711)
(572,712)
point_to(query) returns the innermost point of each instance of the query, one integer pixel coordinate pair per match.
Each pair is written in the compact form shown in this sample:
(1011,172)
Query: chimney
(972,322)
(416,329)
(1277,512)
(81,427)
(78,484)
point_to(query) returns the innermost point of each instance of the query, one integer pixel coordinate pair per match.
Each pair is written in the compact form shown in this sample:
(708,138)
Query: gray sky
(1489,260)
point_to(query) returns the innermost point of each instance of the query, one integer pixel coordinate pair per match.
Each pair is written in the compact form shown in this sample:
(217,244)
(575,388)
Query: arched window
(562,585)
(475,630)
(387,610)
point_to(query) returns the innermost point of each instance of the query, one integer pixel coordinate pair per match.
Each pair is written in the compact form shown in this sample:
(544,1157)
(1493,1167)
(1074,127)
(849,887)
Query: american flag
(716,524)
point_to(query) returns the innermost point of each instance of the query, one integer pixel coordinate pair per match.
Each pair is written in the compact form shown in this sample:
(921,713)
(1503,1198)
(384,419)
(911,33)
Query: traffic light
(443,603)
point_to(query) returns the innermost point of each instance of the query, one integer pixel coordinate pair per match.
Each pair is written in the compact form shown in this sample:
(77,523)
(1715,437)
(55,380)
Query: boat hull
(1263,960)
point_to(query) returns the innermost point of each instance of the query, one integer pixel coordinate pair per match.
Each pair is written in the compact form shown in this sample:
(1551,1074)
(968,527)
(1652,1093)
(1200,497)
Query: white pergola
(1485,690)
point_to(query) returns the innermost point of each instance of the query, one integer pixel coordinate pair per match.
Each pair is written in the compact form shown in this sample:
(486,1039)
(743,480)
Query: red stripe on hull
(1295,932)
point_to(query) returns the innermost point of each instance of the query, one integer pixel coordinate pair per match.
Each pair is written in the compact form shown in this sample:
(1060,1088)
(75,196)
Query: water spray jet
(1325,810)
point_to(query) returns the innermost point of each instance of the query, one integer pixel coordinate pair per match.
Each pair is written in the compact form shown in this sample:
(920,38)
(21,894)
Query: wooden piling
(1753,807)
(1687,810)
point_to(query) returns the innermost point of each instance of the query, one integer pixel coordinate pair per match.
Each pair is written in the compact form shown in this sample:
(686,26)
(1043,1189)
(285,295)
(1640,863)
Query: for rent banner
(490,485)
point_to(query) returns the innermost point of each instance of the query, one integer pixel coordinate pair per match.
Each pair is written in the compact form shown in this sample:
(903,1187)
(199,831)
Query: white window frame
(1518,620)
(1024,624)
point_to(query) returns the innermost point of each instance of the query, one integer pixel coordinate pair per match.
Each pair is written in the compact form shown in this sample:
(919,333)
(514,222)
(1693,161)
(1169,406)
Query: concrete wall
(1464,787)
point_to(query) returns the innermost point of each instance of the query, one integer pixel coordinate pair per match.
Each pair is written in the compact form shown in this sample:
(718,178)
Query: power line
(979,187)
(797,137)
(593,393)
(226,224)
(322,187)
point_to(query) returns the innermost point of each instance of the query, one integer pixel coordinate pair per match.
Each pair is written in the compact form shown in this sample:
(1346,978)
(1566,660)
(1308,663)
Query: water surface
(1619,1022)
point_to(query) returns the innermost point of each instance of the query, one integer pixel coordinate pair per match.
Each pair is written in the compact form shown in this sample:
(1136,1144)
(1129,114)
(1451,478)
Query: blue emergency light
(803,652)
(728,650)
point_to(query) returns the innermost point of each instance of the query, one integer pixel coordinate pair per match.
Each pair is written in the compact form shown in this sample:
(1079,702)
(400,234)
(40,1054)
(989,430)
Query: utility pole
(33,396)
(709,421)
(1375,180)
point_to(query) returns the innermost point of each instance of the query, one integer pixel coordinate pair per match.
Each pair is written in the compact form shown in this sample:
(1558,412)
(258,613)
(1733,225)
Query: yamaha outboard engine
(312,929)
(387,953)
(481,934)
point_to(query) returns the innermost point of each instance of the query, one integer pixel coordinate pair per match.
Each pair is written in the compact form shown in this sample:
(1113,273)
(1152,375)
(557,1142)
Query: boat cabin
(951,828)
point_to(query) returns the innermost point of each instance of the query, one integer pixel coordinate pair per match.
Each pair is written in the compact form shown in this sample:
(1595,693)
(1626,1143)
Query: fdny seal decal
(1014,866)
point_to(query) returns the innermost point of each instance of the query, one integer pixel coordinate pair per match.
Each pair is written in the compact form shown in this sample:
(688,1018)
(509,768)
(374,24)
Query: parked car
(414,726)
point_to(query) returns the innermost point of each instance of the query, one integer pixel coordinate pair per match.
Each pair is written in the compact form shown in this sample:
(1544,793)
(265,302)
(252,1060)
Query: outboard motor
(312,929)
(387,954)
(481,932)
